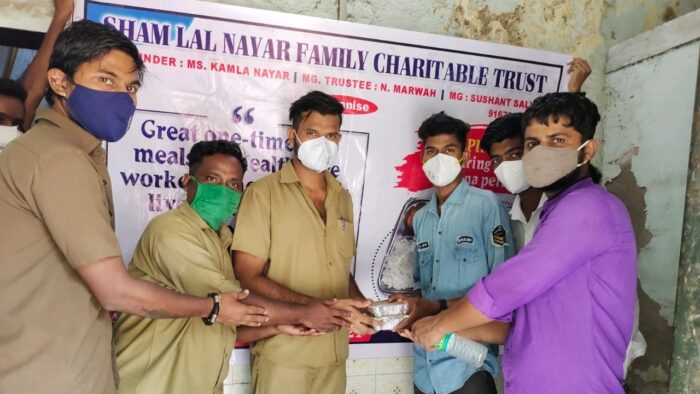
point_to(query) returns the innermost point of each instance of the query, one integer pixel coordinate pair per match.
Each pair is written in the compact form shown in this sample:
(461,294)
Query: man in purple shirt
(570,293)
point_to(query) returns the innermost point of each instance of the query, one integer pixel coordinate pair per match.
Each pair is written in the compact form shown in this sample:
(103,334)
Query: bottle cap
(442,345)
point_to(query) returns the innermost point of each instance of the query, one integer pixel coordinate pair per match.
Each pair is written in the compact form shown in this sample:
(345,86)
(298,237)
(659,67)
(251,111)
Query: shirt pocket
(424,260)
(465,268)
(345,238)
(466,253)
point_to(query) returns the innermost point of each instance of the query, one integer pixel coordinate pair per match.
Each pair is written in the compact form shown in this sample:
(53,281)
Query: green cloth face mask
(215,204)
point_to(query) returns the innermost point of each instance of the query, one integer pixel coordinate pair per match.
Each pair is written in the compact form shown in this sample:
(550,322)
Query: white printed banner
(224,72)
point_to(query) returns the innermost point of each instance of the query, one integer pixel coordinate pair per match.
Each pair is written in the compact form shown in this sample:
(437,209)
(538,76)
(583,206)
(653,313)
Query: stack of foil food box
(389,314)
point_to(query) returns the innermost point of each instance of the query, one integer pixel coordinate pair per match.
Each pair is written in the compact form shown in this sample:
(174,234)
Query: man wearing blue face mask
(60,263)
(188,250)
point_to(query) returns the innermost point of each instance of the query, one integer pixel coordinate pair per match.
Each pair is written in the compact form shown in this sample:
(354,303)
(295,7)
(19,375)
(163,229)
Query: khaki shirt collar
(190,214)
(288,175)
(71,130)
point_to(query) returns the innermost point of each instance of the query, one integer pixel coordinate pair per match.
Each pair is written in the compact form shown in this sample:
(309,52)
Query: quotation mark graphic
(247,116)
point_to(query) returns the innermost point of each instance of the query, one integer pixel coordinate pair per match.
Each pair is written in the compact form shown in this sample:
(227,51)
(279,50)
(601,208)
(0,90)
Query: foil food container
(389,322)
(386,308)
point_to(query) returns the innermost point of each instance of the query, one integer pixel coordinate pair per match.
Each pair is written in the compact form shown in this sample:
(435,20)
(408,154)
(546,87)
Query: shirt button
(330,263)
(437,260)
(439,232)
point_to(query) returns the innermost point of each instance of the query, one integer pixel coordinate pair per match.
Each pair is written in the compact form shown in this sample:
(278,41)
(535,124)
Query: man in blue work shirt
(462,234)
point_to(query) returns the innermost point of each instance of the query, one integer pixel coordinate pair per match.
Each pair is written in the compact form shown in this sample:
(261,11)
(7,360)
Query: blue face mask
(106,115)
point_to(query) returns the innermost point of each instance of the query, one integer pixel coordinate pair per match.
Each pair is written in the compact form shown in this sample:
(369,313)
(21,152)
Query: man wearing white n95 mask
(462,234)
(295,244)
(12,96)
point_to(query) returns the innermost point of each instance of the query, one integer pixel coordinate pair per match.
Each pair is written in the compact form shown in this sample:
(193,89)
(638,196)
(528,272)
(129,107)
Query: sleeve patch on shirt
(498,236)
(465,239)
(422,245)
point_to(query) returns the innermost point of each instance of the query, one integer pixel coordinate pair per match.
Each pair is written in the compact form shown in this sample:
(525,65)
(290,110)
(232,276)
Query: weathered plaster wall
(321,8)
(685,368)
(557,25)
(625,19)
(647,157)
(650,95)
(26,14)
(583,28)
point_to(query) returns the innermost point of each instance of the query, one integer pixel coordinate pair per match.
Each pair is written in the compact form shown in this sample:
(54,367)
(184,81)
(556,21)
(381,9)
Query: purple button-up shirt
(570,296)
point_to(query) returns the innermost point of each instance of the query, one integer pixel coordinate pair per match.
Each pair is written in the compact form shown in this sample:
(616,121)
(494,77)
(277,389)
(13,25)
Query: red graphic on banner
(355,105)
(355,338)
(411,175)
(478,172)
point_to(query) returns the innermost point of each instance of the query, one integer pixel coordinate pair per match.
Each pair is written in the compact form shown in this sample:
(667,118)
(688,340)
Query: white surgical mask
(442,169)
(511,175)
(7,134)
(317,154)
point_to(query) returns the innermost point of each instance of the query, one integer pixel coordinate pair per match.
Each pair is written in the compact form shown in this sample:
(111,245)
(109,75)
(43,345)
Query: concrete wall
(26,14)
(685,365)
(634,154)
(650,93)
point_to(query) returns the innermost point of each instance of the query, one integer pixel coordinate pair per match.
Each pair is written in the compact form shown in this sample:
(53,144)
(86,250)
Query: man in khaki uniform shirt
(297,247)
(53,185)
(60,263)
(180,250)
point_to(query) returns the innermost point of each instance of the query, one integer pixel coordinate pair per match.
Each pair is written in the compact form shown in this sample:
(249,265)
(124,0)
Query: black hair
(10,87)
(314,101)
(84,41)
(441,123)
(208,148)
(503,128)
(595,174)
(582,114)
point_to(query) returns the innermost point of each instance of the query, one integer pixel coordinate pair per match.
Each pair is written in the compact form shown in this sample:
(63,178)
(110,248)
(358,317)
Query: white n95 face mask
(317,154)
(7,134)
(442,169)
(512,175)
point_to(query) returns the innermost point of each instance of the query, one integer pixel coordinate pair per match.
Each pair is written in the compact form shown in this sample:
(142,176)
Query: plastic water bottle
(463,349)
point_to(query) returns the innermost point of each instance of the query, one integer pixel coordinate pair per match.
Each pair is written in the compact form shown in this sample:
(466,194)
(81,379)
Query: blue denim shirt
(454,250)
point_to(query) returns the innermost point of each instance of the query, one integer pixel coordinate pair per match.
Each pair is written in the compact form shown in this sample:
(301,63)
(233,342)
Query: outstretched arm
(34,78)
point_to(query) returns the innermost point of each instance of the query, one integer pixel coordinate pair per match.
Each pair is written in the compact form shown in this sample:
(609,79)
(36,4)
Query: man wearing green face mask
(188,250)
